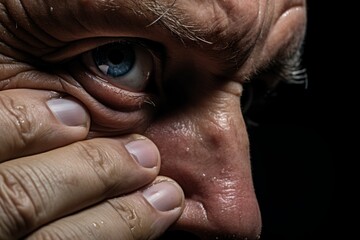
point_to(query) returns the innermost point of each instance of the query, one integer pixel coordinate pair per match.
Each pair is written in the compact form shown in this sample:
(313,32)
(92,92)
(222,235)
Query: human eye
(125,64)
(124,74)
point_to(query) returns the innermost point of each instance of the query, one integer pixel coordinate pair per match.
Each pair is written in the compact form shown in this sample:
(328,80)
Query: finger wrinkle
(20,191)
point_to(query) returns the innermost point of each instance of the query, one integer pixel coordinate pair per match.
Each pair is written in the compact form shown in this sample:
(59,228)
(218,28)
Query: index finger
(33,121)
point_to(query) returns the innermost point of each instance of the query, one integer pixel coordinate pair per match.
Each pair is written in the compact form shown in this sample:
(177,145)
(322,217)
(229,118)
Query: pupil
(115,60)
(116,57)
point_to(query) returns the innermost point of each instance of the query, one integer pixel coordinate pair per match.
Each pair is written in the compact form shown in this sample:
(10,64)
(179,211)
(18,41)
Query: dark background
(297,139)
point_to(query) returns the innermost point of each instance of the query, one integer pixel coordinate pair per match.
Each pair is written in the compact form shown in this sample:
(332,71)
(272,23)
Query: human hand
(56,184)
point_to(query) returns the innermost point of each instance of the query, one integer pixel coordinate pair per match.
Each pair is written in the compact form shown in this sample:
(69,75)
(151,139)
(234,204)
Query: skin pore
(197,56)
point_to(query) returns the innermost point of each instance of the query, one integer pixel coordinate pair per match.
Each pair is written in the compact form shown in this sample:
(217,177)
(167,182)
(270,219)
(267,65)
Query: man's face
(171,70)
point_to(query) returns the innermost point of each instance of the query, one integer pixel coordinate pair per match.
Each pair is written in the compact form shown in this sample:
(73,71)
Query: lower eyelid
(108,94)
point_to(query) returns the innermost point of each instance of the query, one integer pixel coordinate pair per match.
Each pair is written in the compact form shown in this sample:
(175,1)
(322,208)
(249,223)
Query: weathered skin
(196,118)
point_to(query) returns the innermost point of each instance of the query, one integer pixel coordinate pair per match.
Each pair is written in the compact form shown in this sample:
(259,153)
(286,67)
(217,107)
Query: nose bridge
(206,152)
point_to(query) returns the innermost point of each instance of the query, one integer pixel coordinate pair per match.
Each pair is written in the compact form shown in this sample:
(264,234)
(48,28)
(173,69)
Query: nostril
(175,235)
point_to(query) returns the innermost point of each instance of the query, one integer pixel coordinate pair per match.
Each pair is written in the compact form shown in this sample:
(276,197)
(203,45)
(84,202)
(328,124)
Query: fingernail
(68,112)
(164,196)
(144,152)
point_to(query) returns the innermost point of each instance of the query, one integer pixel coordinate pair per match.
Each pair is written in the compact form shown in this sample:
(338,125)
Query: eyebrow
(190,34)
(172,18)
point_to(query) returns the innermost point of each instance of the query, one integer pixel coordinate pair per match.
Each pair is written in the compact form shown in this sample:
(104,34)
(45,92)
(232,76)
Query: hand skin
(51,186)
(207,51)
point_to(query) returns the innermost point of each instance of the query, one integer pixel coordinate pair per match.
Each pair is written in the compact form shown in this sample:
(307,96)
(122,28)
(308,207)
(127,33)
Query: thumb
(34,121)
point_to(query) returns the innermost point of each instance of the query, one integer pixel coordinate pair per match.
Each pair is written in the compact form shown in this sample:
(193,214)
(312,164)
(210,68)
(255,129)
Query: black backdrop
(298,134)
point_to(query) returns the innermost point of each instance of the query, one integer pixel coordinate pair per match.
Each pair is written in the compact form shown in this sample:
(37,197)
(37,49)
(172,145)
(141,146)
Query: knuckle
(19,202)
(18,119)
(101,159)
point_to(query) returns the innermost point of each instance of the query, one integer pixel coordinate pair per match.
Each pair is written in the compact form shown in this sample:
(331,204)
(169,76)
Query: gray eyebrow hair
(174,20)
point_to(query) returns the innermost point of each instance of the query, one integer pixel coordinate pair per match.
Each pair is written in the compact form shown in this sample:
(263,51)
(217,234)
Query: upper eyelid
(72,50)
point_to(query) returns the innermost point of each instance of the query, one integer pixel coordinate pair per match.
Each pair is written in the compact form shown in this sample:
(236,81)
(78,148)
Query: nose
(205,149)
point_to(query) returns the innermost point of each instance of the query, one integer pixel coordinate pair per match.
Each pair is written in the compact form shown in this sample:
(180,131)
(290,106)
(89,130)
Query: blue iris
(115,59)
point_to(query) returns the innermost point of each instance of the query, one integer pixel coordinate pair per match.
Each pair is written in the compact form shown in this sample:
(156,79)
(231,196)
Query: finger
(142,215)
(38,189)
(33,121)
